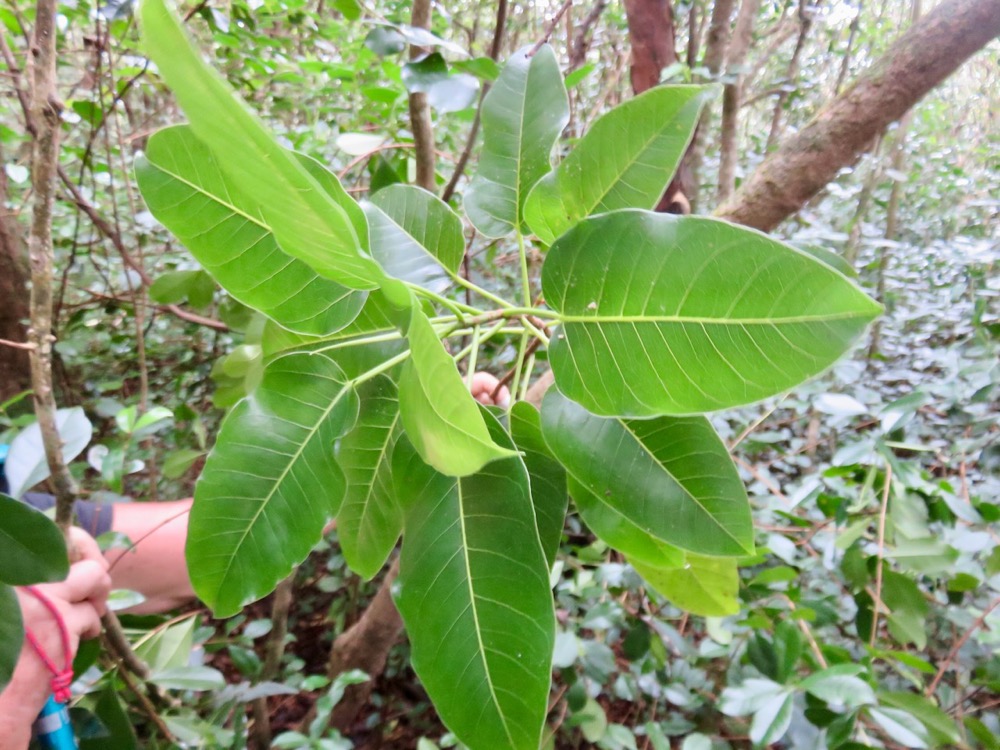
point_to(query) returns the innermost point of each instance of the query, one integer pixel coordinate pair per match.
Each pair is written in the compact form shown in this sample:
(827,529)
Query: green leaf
(26,464)
(840,684)
(189,678)
(704,586)
(772,720)
(702,315)
(670,478)
(173,286)
(32,549)
(940,726)
(474,594)
(908,609)
(370,519)
(523,115)
(11,633)
(271,483)
(224,229)
(625,160)
(900,727)
(440,417)
(350,9)
(546,475)
(446,92)
(306,221)
(415,236)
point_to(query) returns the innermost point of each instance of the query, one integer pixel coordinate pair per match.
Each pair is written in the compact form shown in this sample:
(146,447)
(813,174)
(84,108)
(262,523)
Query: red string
(61,678)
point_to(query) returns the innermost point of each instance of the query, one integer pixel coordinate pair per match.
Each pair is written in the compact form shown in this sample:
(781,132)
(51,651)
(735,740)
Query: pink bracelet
(61,678)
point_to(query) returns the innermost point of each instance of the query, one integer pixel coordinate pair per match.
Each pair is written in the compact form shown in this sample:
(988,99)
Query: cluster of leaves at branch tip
(700,316)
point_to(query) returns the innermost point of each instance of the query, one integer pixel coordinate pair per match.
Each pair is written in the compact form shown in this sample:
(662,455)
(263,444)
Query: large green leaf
(11,633)
(415,235)
(370,519)
(223,228)
(613,526)
(704,586)
(440,416)
(32,549)
(668,478)
(683,314)
(474,594)
(625,160)
(271,483)
(523,115)
(546,475)
(307,221)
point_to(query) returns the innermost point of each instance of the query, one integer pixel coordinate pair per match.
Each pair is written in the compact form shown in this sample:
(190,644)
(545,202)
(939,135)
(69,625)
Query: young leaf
(772,720)
(271,482)
(474,594)
(940,726)
(415,236)
(32,549)
(370,519)
(440,417)
(626,160)
(223,229)
(839,684)
(669,478)
(307,222)
(523,115)
(704,586)
(682,314)
(546,475)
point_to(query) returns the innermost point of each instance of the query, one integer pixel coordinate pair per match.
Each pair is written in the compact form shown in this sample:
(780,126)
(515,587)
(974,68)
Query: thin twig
(946,664)
(550,28)
(147,706)
(881,552)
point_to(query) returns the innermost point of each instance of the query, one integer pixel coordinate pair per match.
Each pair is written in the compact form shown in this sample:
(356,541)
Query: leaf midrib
(702,320)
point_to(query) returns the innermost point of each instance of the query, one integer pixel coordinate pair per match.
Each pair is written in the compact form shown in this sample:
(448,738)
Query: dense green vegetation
(828,573)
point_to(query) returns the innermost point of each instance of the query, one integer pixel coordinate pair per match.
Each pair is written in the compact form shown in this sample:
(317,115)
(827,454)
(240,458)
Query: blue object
(53,729)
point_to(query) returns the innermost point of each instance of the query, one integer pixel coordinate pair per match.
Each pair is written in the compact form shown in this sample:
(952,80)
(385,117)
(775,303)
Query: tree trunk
(732,96)
(365,646)
(420,109)
(843,130)
(15,372)
(582,38)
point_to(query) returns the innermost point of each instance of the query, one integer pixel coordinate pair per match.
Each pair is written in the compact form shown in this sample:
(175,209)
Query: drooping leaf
(523,115)
(223,228)
(308,223)
(370,518)
(683,314)
(772,720)
(840,684)
(626,160)
(11,633)
(668,478)
(440,417)
(546,475)
(271,483)
(704,586)
(900,727)
(941,728)
(415,235)
(474,594)
(446,91)
(32,549)
(26,464)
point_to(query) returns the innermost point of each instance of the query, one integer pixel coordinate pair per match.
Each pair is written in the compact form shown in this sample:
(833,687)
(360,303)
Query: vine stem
(881,552)
(471,286)
(946,664)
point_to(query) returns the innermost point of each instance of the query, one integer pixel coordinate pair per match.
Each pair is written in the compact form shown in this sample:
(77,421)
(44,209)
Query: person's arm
(155,565)
(80,601)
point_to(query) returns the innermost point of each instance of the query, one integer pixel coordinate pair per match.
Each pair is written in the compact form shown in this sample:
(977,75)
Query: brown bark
(420,109)
(365,646)
(582,38)
(732,96)
(15,372)
(843,130)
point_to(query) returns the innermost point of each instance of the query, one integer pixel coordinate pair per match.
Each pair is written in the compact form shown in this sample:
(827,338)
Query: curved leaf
(271,483)
(668,478)
(370,519)
(546,475)
(474,594)
(308,223)
(32,549)
(625,160)
(204,208)
(11,633)
(441,418)
(523,115)
(704,586)
(414,234)
(704,315)
(26,464)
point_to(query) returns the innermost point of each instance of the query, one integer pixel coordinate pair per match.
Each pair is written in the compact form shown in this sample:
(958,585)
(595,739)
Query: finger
(88,581)
(83,620)
(483,382)
(86,546)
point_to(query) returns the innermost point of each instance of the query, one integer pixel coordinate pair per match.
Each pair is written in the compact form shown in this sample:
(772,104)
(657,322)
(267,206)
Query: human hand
(483,386)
